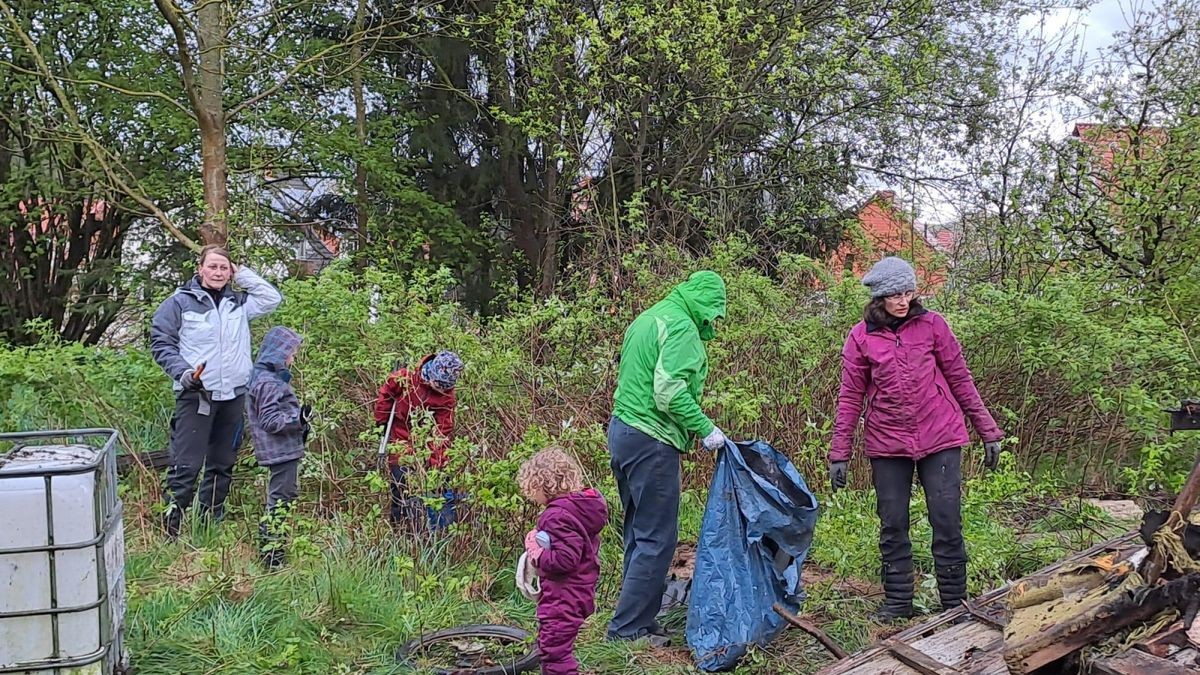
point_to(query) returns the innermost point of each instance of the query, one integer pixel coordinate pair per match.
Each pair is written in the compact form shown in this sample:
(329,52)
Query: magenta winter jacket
(916,387)
(570,568)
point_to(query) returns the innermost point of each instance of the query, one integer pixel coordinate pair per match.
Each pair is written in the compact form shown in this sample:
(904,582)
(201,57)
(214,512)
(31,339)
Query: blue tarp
(757,529)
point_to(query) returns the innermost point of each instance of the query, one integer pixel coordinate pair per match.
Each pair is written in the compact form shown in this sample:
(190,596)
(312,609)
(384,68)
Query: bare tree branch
(98,151)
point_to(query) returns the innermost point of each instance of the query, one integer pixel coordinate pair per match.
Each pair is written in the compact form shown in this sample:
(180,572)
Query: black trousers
(208,442)
(648,479)
(941,478)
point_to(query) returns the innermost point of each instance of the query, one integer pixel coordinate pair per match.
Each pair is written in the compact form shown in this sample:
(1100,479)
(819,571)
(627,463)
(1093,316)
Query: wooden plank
(864,662)
(1134,662)
(883,665)
(1090,626)
(1188,656)
(1165,643)
(154,460)
(970,647)
(918,660)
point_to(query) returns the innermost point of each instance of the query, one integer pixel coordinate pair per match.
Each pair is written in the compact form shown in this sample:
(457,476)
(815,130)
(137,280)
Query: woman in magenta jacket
(903,371)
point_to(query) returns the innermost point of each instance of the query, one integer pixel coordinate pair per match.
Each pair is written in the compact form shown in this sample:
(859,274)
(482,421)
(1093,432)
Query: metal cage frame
(107,508)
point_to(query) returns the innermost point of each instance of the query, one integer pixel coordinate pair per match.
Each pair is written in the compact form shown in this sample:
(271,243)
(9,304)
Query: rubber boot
(898,593)
(952,585)
(172,520)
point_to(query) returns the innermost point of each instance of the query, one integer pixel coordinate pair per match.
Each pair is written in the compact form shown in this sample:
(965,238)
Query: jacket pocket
(197,339)
(948,398)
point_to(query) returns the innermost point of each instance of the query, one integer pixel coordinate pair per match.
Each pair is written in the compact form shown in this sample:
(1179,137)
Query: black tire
(524,664)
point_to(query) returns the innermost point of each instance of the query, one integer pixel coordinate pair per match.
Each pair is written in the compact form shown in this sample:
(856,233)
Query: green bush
(1076,379)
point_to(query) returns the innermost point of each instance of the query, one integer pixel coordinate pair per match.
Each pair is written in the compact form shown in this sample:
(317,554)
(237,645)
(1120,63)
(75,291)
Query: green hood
(703,296)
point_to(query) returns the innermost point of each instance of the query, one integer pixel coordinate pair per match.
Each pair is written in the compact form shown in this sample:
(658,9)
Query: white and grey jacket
(189,329)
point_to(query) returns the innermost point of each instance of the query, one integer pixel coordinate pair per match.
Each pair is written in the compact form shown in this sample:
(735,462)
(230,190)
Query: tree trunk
(211,36)
(360,130)
(550,217)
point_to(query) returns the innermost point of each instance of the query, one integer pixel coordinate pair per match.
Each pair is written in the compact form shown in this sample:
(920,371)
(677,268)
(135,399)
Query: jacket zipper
(220,338)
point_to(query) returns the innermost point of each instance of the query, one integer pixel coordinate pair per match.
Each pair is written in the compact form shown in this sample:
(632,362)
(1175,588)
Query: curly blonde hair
(551,472)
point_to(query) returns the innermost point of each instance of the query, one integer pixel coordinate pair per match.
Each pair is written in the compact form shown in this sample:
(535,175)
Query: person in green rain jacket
(657,416)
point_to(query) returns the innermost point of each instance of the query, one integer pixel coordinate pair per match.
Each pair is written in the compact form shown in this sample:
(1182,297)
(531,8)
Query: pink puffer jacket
(916,386)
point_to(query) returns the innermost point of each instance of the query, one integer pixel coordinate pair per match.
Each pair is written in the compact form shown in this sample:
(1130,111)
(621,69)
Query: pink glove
(532,548)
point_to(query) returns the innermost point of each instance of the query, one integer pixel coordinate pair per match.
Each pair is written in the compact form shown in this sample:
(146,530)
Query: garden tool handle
(381,455)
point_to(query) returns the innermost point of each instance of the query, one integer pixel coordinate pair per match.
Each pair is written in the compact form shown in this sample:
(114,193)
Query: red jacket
(916,388)
(413,395)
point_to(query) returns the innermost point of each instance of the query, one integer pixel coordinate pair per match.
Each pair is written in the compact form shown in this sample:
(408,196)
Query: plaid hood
(278,344)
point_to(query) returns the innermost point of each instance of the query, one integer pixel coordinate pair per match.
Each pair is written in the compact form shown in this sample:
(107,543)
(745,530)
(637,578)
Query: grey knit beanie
(890,276)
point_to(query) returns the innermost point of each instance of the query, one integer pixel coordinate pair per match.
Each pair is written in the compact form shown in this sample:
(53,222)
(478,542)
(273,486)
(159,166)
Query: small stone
(1125,510)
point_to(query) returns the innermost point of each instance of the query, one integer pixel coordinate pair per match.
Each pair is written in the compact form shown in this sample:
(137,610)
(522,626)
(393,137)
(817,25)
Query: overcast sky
(1096,28)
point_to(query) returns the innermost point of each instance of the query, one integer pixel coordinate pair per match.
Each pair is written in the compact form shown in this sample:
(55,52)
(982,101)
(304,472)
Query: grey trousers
(203,441)
(284,484)
(648,475)
(282,489)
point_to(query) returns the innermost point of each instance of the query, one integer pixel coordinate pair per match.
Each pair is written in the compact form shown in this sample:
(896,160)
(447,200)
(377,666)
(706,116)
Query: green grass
(354,593)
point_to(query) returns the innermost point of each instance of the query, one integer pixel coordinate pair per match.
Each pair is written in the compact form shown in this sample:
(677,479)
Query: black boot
(271,543)
(898,593)
(273,558)
(952,585)
(172,519)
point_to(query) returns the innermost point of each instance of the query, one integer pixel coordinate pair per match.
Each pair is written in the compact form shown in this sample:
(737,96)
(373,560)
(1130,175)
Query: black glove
(190,382)
(991,454)
(837,474)
(305,427)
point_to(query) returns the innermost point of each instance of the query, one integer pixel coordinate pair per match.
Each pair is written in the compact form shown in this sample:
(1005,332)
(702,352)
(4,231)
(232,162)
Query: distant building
(887,230)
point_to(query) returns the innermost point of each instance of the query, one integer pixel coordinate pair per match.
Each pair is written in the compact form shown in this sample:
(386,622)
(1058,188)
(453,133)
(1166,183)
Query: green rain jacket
(663,363)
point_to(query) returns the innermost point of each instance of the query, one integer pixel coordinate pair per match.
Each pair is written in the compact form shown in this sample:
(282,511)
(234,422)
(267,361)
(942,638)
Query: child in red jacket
(406,396)
(565,547)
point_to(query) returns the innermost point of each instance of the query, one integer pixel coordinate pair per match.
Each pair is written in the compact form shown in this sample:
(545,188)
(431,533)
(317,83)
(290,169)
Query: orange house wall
(889,232)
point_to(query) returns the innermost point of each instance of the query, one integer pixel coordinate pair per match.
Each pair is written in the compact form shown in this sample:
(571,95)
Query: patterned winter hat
(443,370)
(890,276)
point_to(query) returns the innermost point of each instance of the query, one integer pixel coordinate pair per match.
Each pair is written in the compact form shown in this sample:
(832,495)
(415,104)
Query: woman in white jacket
(201,337)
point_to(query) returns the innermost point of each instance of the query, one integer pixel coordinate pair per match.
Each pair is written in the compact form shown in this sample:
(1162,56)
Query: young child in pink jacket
(565,547)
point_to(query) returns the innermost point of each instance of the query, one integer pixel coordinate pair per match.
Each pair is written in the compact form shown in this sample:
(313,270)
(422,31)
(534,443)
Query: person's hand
(838,473)
(991,454)
(190,382)
(715,440)
(532,548)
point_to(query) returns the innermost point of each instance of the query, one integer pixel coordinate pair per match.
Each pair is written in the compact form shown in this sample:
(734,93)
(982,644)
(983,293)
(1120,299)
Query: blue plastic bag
(757,529)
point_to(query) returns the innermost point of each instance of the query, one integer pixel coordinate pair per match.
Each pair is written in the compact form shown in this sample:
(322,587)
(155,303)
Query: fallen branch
(811,628)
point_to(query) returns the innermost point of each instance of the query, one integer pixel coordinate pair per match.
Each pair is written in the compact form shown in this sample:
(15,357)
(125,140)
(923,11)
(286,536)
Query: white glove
(715,440)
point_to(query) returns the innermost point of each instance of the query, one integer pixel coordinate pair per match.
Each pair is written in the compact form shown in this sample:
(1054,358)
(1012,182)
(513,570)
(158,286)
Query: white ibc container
(62,554)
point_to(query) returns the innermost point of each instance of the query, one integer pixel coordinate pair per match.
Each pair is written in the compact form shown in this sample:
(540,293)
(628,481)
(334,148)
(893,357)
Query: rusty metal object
(811,628)
(918,660)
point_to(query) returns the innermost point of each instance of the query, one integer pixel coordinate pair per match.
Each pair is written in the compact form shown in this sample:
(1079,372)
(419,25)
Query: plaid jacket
(274,412)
